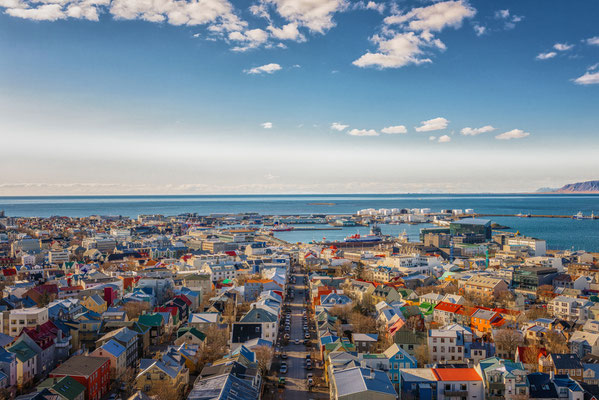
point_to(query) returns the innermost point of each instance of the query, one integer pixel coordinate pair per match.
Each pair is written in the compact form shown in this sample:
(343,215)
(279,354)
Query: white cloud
(444,139)
(266,125)
(434,17)
(502,14)
(316,15)
(400,50)
(434,124)
(338,126)
(432,138)
(363,132)
(476,131)
(513,134)
(264,69)
(509,19)
(287,32)
(546,56)
(397,129)
(479,29)
(562,46)
(251,39)
(45,12)
(260,10)
(589,78)
(371,5)
(179,12)
(593,41)
(593,67)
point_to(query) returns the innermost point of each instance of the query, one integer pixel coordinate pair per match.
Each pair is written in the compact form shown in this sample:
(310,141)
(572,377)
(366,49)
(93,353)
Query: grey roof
(365,337)
(222,387)
(259,315)
(474,221)
(360,380)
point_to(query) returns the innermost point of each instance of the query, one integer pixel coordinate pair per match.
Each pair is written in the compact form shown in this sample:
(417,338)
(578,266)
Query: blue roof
(114,348)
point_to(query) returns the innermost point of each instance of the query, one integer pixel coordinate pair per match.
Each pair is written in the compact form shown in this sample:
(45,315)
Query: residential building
(91,372)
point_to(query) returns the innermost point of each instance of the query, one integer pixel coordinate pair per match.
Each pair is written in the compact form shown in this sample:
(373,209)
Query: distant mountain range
(579,187)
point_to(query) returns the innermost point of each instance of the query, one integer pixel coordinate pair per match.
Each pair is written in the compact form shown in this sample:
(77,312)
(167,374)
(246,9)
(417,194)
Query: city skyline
(296,96)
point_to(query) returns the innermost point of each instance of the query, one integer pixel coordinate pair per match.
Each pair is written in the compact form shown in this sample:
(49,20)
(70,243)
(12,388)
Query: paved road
(296,386)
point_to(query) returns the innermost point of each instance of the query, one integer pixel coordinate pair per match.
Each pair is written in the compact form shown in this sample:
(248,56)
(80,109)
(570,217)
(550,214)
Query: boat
(372,237)
(281,228)
(580,215)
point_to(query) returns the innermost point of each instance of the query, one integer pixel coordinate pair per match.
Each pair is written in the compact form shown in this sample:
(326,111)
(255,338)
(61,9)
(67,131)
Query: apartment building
(448,344)
(569,308)
(485,286)
(26,318)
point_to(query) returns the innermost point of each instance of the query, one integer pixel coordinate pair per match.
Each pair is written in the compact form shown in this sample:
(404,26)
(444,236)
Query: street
(296,377)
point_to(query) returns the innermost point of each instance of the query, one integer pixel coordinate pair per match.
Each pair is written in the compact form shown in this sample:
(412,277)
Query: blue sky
(279,96)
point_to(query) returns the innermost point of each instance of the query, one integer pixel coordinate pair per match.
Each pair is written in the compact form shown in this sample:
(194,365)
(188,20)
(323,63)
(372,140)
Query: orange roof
(259,280)
(456,374)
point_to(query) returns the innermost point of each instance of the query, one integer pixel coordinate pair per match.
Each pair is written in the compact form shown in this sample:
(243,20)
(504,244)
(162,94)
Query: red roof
(184,298)
(448,307)
(9,271)
(43,335)
(456,374)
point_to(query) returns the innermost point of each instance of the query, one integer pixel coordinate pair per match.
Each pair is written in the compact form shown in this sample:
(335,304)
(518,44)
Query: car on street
(284,356)
(297,341)
(286,336)
(310,382)
(283,368)
(307,336)
(281,382)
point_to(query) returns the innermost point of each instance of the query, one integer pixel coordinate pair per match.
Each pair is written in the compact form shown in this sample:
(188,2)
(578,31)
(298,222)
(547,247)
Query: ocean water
(560,233)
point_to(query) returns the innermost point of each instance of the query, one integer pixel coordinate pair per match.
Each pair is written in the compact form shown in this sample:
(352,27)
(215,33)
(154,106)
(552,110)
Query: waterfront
(560,233)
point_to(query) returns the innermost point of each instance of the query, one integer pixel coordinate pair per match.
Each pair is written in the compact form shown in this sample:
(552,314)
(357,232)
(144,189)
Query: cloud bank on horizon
(324,76)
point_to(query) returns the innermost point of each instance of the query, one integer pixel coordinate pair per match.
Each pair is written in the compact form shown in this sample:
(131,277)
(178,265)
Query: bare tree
(507,340)
(264,355)
(556,342)
(422,355)
(536,313)
(531,357)
(341,311)
(362,323)
(134,309)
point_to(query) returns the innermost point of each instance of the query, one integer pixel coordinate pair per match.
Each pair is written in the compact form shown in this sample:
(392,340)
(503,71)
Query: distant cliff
(579,187)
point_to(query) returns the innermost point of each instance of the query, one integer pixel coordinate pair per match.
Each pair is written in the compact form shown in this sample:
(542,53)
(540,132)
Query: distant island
(579,187)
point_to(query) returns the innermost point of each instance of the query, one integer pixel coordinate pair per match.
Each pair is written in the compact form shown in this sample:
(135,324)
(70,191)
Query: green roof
(427,308)
(197,333)
(22,351)
(66,387)
(154,319)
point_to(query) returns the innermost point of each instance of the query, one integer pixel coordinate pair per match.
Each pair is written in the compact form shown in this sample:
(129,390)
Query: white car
(297,341)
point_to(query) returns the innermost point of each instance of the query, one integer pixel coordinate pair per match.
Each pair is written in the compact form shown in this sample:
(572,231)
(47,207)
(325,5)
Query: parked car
(281,382)
(297,341)
(283,368)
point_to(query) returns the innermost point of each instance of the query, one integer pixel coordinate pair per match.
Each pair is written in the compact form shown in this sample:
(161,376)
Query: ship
(372,237)
(281,228)
(580,215)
